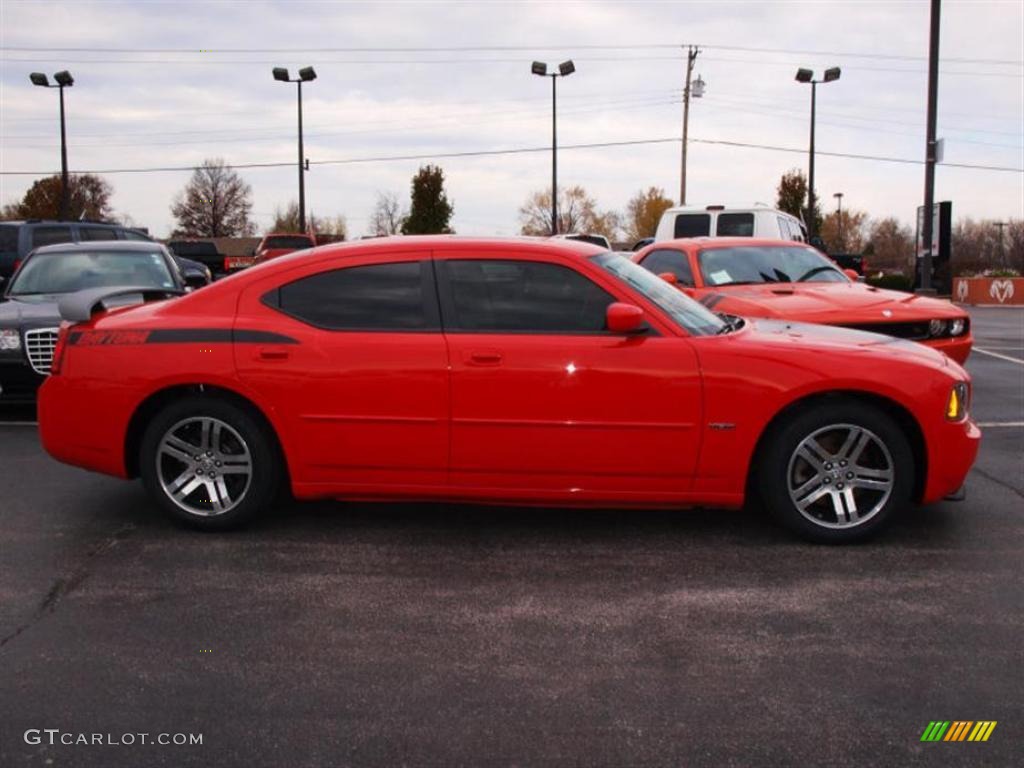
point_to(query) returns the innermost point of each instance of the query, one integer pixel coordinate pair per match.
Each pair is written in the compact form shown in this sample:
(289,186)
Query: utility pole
(928,234)
(839,220)
(691,56)
(1002,252)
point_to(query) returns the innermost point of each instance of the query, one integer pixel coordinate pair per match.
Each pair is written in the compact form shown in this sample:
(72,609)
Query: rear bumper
(951,454)
(76,429)
(957,348)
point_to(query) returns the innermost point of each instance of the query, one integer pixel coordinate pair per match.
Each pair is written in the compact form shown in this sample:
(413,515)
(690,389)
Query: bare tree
(387,216)
(216,202)
(890,245)
(577,212)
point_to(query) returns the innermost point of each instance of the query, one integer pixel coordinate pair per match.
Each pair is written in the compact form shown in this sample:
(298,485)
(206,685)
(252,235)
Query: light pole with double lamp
(63,80)
(565,69)
(306,74)
(807,76)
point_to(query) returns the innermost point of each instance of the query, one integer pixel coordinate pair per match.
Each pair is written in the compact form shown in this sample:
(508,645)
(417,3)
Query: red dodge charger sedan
(787,280)
(516,371)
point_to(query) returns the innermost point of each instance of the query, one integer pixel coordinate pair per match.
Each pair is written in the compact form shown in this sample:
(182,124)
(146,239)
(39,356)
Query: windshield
(688,313)
(288,241)
(68,271)
(766,264)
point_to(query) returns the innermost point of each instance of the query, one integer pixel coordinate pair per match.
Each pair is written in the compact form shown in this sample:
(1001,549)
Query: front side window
(692,225)
(64,272)
(372,297)
(690,315)
(766,264)
(490,295)
(50,236)
(672,261)
(735,225)
(96,233)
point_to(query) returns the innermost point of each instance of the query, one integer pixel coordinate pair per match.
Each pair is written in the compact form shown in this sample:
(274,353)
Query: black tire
(778,469)
(266,469)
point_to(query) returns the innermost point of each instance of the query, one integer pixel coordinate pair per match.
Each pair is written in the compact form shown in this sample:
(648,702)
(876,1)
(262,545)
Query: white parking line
(990,424)
(1001,357)
(19,423)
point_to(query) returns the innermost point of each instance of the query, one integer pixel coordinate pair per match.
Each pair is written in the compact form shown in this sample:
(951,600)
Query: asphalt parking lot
(361,634)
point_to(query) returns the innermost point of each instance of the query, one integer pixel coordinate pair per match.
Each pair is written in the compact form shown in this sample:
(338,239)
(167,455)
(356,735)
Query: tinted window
(675,262)
(50,235)
(8,238)
(96,233)
(693,225)
(767,264)
(129,234)
(735,225)
(492,295)
(380,297)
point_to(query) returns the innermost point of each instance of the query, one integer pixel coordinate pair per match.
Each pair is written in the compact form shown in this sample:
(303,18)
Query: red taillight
(58,350)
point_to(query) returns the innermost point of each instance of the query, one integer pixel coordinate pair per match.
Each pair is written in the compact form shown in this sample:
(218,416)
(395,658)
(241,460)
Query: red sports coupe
(516,371)
(788,280)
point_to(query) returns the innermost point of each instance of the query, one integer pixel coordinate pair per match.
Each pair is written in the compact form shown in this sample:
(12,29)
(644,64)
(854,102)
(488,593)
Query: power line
(528,150)
(508,48)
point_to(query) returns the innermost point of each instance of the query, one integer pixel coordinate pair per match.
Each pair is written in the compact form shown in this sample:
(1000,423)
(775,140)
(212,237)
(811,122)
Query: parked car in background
(729,221)
(206,253)
(280,243)
(792,281)
(642,243)
(17,238)
(195,273)
(510,371)
(29,304)
(599,240)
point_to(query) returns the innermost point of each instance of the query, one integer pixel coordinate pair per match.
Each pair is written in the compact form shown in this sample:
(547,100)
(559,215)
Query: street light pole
(63,80)
(565,69)
(1001,225)
(928,234)
(807,76)
(839,220)
(306,74)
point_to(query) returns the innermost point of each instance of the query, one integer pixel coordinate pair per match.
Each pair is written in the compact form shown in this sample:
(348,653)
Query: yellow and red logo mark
(958,730)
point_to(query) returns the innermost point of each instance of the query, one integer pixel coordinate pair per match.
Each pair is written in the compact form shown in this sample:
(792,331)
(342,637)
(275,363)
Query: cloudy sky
(166,84)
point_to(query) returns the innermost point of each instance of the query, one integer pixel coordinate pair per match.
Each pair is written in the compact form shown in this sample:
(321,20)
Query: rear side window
(129,234)
(692,225)
(50,235)
(97,233)
(374,297)
(669,260)
(524,296)
(8,238)
(735,225)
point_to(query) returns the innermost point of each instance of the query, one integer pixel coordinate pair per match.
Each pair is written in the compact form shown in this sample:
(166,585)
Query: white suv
(722,221)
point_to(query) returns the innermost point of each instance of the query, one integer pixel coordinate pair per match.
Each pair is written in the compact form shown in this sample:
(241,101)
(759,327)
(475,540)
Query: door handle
(269,353)
(484,357)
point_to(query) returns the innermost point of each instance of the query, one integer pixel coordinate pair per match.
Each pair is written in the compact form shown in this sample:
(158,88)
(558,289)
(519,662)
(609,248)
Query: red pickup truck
(279,243)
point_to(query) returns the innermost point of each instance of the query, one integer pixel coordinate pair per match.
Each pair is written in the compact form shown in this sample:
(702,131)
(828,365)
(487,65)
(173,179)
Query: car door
(543,398)
(349,354)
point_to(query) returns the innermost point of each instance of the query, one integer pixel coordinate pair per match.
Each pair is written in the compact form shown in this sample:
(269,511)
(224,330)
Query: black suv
(18,238)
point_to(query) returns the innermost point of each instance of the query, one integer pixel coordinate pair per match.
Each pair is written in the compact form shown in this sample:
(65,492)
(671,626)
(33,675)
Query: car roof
(539,244)
(107,245)
(47,222)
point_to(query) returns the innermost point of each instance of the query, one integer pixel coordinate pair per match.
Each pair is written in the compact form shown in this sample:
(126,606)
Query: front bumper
(18,382)
(958,347)
(952,449)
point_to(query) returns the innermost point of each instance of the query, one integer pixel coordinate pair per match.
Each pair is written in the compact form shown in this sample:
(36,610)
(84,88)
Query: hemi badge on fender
(721,425)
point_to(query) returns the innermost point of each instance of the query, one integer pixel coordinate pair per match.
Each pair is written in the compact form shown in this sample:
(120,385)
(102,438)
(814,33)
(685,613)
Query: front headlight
(936,327)
(956,405)
(956,327)
(10,340)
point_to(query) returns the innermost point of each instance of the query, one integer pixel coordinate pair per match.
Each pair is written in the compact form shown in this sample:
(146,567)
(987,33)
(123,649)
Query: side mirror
(852,274)
(194,280)
(669,278)
(624,318)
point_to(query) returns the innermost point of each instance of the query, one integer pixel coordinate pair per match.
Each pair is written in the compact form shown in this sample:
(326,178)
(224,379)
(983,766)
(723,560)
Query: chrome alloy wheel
(840,476)
(204,466)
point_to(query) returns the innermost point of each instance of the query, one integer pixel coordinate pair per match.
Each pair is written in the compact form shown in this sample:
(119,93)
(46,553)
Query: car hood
(827,339)
(832,303)
(32,311)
